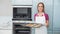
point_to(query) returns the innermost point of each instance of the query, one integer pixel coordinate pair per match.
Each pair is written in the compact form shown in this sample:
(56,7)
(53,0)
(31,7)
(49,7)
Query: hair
(42,4)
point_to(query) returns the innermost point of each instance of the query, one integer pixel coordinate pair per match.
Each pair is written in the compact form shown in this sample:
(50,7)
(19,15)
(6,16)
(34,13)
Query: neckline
(41,15)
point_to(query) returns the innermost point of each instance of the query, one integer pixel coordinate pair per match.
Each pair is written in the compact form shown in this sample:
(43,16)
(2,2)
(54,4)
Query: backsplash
(5,22)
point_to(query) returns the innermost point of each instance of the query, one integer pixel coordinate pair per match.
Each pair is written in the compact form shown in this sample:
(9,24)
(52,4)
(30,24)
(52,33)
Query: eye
(40,6)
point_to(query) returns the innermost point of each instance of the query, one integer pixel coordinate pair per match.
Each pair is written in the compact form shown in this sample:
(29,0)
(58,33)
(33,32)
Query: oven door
(19,29)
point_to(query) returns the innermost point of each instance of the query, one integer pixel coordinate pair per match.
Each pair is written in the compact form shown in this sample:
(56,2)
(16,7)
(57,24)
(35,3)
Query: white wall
(5,8)
(5,13)
(5,17)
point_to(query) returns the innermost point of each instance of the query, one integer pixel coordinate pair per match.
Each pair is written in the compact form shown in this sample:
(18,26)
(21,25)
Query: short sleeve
(35,17)
(46,16)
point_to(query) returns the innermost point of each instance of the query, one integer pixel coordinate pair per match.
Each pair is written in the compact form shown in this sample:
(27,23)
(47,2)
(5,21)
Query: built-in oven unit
(22,12)
(19,29)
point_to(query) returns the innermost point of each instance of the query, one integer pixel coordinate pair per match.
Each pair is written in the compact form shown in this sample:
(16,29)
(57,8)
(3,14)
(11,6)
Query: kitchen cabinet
(21,2)
(56,17)
(6,8)
(5,31)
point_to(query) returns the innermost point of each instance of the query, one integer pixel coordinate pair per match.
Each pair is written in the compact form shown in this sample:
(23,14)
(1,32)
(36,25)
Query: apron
(42,29)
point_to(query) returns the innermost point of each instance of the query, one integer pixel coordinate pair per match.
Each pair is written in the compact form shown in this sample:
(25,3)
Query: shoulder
(36,14)
(46,16)
(45,13)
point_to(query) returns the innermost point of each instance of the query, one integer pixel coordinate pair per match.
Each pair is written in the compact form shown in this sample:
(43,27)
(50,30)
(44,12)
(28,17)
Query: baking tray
(33,25)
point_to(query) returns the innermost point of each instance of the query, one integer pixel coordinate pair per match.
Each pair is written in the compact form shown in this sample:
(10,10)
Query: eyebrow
(42,6)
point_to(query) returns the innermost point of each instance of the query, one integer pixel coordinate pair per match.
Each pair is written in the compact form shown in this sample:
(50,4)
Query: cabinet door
(22,2)
(5,31)
(56,19)
(6,8)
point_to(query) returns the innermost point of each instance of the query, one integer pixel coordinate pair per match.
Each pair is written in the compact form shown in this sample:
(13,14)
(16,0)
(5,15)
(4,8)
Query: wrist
(46,25)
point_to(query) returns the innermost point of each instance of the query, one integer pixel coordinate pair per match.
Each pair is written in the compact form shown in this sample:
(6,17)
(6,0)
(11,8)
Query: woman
(41,17)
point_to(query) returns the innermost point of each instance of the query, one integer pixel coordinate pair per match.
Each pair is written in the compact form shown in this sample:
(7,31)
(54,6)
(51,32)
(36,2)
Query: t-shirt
(46,16)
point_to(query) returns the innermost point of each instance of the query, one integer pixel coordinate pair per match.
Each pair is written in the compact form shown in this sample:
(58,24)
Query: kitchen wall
(5,12)
(5,8)
(5,17)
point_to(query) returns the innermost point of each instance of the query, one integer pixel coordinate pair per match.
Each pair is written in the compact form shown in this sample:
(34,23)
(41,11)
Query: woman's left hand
(46,25)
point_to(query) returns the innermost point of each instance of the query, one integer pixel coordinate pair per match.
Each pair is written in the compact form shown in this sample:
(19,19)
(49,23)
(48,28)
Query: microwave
(22,13)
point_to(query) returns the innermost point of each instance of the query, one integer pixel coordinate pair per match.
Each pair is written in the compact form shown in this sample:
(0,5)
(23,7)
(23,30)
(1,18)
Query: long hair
(42,4)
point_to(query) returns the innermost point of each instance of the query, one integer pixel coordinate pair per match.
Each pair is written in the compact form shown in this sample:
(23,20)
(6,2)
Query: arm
(47,20)
(47,23)
(35,16)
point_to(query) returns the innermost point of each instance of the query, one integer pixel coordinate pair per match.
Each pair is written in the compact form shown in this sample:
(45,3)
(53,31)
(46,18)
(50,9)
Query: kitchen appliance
(22,12)
(19,29)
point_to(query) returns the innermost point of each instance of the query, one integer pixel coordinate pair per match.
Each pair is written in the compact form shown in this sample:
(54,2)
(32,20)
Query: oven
(22,12)
(19,29)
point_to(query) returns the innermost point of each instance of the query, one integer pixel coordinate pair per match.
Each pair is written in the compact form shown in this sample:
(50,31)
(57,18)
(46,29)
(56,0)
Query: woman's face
(40,8)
